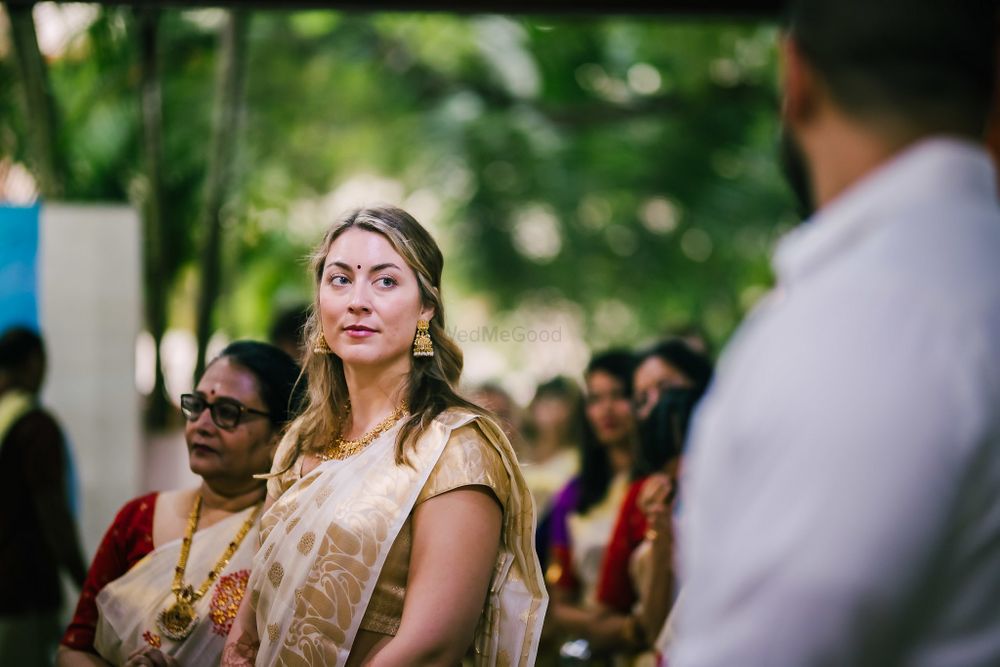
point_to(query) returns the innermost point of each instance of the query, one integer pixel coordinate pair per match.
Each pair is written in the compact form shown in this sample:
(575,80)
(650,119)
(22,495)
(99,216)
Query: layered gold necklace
(177,620)
(342,449)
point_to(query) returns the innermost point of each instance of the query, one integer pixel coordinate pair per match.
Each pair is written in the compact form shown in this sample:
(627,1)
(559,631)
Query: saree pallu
(325,540)
(129,606)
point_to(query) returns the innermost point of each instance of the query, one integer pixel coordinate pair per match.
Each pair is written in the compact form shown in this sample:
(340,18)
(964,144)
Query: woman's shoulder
(468,459)
(457,416)
(468,421)
(133,523)
(139,506)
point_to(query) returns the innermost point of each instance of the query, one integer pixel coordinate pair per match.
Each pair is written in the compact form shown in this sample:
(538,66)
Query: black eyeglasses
(226,412)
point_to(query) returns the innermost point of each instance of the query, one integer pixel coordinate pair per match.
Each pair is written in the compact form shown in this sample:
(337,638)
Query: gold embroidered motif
(275,574)
(322,496)
(267,552)
(306,543)
(272,632)
(290,526)
(254,598)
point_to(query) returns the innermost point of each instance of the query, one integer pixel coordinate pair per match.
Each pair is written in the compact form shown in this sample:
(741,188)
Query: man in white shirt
(842,495)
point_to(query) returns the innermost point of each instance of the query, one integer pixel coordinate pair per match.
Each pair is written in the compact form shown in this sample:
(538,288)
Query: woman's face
(609,410)
(653,377)
(551,414)
(230,455)
(369,301)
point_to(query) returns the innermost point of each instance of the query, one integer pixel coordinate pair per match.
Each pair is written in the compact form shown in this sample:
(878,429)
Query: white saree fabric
(325,540)
(128,606)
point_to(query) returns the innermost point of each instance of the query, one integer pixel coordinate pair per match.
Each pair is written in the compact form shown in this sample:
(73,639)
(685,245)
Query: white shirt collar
(924,170)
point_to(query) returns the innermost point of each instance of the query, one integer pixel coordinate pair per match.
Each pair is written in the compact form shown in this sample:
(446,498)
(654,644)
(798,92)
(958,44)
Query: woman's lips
(202,450)
(359,332)
(609,424)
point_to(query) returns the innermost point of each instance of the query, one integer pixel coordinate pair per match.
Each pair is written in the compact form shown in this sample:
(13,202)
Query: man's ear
(800,85)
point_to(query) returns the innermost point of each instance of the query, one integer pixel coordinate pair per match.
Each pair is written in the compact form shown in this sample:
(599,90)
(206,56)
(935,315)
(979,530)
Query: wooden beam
(749,9)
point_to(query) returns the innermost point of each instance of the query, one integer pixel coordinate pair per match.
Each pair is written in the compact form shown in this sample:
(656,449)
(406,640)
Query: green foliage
(623,164)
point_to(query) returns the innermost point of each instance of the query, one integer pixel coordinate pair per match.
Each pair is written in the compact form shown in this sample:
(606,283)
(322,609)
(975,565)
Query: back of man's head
(927,65)
(22,359)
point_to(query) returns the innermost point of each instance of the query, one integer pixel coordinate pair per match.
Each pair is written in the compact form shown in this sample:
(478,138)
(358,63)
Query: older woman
(401,528)
(170,573)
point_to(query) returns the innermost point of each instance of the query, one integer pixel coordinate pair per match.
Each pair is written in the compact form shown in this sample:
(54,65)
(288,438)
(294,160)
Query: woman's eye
(386,281)
(339,280)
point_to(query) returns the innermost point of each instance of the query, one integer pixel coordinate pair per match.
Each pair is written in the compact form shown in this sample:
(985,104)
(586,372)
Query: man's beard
(796,172)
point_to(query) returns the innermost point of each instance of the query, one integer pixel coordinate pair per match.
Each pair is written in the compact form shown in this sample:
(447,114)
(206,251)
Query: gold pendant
(177,620)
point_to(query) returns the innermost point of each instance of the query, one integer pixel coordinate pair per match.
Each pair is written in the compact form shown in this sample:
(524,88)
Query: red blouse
(615,589)
(126,542)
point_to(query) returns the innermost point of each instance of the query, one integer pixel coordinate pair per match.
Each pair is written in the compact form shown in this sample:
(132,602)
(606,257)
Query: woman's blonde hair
(430,387)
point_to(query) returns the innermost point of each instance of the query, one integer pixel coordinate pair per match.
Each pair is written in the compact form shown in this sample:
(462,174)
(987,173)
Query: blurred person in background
(38,535)
(584,511)
(636,586)
(171,570)
(497,400)
(840,495)
(694,335)
(287,331)
(552,430)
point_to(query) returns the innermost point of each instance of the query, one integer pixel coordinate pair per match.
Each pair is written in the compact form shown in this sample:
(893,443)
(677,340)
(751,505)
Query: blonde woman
(399,529)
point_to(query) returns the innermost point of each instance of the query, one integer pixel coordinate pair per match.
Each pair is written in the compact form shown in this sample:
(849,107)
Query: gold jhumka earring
(423,346)
(321,346)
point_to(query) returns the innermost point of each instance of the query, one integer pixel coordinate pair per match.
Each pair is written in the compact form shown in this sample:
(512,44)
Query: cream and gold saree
(325,540)
(129,606)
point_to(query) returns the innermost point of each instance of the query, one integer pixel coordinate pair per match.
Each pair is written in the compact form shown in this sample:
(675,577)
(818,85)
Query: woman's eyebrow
(339,264)
(384,265)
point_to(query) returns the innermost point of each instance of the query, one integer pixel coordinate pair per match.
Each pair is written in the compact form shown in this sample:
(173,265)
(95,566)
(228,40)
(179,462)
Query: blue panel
(19,266)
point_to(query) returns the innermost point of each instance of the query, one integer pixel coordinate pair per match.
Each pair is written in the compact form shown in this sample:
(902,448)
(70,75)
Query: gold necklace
(177,620)
(342,449)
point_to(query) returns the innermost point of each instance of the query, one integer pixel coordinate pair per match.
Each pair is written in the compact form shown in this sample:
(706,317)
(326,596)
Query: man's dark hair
(17,344)
(289,325)
(930,64)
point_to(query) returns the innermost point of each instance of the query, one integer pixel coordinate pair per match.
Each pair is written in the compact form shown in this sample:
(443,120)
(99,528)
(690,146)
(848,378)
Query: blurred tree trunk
(229,87)
(155,248)
(39,102)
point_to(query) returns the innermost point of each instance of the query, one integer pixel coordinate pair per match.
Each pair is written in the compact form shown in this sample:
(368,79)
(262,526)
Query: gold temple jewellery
(423,346)
(342,449)
(178,620)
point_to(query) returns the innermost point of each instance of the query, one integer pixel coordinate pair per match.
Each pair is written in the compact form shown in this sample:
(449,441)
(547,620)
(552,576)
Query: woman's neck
(620,458)
(374,394)
(218,497)
(548,445)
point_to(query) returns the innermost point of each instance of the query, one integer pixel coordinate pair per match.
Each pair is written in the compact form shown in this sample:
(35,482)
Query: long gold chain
(177,621)
(342,449)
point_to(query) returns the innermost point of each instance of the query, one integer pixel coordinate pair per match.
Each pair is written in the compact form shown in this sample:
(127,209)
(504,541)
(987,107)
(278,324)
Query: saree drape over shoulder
(129,606)
(326,539)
